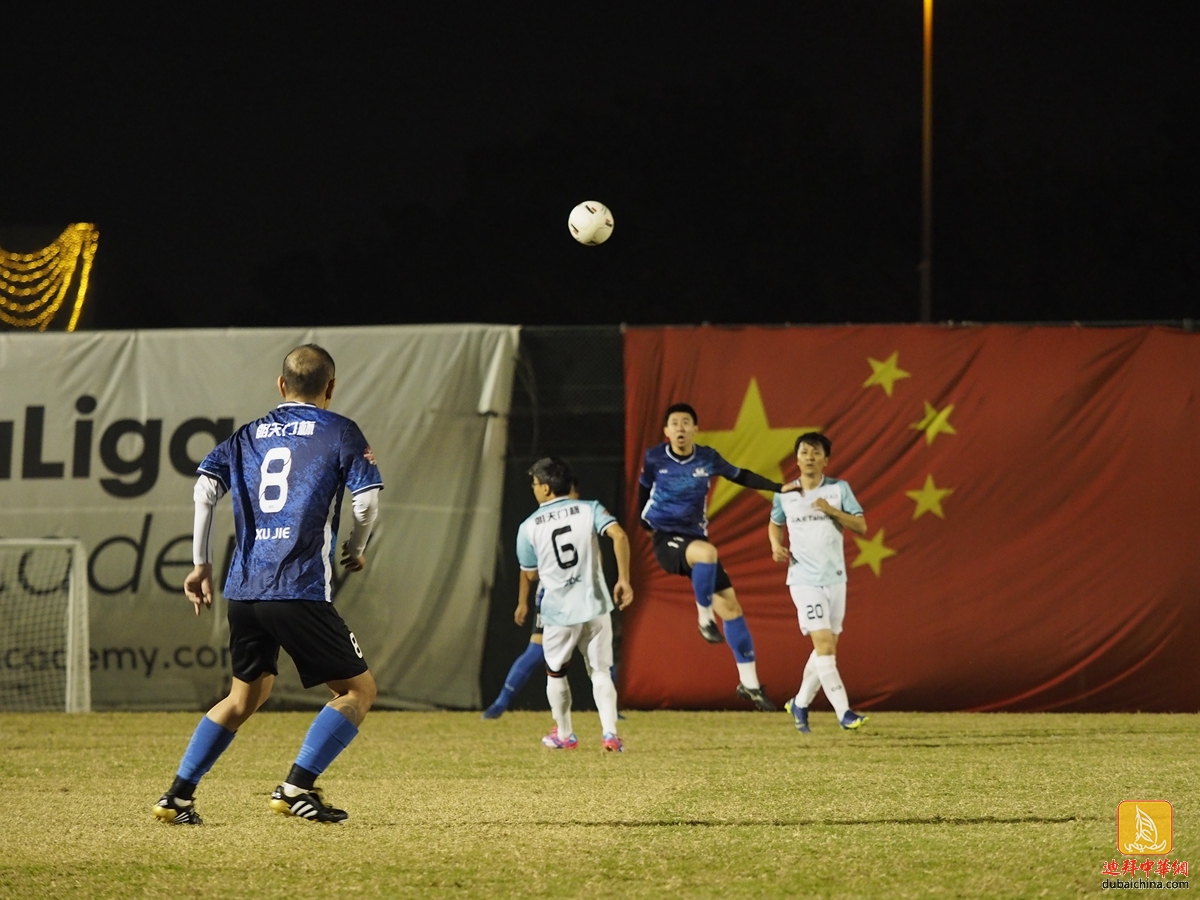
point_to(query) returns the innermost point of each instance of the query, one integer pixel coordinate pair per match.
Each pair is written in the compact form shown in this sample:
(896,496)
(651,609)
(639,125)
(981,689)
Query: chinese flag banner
(1032,498)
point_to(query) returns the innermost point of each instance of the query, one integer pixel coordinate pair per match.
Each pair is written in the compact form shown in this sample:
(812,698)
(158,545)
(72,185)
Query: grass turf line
(702,805)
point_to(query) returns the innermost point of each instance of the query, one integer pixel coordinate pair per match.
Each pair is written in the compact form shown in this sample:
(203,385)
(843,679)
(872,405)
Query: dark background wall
(337,165)
(569,401)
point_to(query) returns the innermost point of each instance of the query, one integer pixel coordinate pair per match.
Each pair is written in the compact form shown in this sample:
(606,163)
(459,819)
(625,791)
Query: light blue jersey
(560,542)
(815,541)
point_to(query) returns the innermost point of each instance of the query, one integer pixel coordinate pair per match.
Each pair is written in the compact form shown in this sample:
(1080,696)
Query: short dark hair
(815,439)
(680,407)
(307,371)
(555,473)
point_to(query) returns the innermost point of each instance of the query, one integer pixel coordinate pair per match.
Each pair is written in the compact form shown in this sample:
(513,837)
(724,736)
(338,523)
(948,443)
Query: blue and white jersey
(815,541)
(560,542)
(286,473)
(678,501)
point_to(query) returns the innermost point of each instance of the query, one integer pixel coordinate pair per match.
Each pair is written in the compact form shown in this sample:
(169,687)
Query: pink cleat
(554,742)
(612,743)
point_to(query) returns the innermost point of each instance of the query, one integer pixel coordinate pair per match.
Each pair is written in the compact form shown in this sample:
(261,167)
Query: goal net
(44,661)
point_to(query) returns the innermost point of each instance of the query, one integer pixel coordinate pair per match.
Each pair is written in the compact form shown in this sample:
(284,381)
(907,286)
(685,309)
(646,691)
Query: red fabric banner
(1032,497)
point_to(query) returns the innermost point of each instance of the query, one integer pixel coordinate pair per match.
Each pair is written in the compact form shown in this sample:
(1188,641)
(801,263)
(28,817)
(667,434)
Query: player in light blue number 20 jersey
(559,545)
(814,518)
(285,474)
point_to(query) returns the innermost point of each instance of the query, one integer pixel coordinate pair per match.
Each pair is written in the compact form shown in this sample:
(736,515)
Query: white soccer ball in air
(590,222)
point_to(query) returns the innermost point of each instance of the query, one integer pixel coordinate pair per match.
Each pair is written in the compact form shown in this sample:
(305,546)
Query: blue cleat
(494,711)
(852,720)
(799,716)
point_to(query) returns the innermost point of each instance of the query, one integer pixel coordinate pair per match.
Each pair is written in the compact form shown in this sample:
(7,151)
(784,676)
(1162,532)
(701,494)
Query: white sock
(810,684)
(831,680)
(558,692)
(748,673)
(604,692)
(705,614)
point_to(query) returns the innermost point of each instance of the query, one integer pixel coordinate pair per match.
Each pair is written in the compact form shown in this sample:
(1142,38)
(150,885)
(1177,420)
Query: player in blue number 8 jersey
(816,558)
(559,546)
(286,473)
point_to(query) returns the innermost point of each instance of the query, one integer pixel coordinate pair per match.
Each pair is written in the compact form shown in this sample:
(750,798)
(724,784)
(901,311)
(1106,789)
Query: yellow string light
(46,276)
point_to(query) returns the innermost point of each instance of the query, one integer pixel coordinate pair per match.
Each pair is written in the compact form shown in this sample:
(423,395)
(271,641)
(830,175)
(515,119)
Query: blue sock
(208,742)
(738,635)
(704,582)
(526,664)
(329,734)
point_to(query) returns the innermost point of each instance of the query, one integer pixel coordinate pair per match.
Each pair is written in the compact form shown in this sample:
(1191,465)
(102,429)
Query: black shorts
(311,631)
(671,552)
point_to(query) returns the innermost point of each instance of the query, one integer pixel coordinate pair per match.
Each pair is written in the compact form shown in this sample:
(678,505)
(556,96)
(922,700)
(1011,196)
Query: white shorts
(593,638)
(821,607)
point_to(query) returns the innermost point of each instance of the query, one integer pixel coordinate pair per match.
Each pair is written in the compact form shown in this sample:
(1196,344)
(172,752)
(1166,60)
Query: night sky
(293,165)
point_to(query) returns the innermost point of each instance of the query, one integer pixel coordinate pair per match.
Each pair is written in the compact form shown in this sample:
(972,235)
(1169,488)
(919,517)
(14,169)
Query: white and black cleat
(309,805)
(757,696)
(173,811)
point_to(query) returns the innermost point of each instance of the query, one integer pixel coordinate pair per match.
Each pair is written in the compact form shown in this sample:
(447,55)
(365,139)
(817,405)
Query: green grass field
(700,805)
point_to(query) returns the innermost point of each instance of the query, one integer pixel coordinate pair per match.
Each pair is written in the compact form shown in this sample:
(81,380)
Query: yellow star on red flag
(929,498)
(885,373)
(752,444)
(872,553)
(935,421)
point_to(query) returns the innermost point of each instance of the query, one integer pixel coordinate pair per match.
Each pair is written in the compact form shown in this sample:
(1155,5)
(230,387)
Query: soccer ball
(590,222)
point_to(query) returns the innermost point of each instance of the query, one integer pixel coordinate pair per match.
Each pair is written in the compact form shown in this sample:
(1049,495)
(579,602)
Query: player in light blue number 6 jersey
(816,577)
(285,473)
(559,546)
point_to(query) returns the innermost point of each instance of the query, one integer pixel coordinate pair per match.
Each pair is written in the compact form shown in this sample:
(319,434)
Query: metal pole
(926,266)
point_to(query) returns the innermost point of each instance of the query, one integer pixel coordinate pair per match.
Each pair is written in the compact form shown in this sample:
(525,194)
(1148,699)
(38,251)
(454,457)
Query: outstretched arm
(756,482)
(623,590)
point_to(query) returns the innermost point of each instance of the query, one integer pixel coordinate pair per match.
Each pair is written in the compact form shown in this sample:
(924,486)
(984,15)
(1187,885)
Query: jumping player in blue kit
(286,473)
(673,499)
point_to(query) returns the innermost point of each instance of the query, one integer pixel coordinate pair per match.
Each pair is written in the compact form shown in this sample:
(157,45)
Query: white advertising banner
(100,435)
